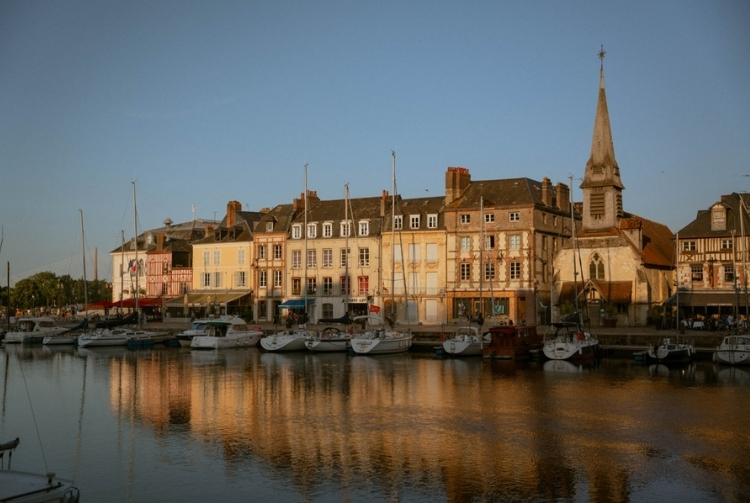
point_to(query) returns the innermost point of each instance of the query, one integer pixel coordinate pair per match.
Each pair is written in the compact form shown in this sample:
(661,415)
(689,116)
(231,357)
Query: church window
(596,209)
(596,267)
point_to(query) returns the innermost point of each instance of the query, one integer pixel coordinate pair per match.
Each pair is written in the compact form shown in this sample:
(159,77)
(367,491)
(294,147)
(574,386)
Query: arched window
(596,267)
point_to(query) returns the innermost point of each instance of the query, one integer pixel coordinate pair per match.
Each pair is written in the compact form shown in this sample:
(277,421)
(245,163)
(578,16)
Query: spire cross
(602,53)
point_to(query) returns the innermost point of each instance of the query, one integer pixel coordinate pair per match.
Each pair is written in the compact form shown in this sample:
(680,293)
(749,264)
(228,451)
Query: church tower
(602,187)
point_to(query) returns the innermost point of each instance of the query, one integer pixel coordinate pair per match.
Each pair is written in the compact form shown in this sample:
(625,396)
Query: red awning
(144,302)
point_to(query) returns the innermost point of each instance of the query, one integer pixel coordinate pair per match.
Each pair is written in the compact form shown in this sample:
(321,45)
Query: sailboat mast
(307,280)
(135,242)
(481,256)
(393,237)
(85,283)
(346,249)
(575,270)
(743,212)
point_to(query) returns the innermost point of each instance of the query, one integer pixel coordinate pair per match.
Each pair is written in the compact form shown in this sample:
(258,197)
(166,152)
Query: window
(364,284)
(729,272)
(514,216)
(688,246)
(398,222)
(696,272)
(465,243)
(164,289)
(726,244)
(312,285)
(489,218)
(398,257)
(206,257)
(364,257)
(296,231)
(217,257)
(465,272)
(217,280)
(414,221)
(327,285)
(596,267)
(489,271)
(364,228)
(514,241)
(262,251)
(240,279)
(312,231)
(262,279)
(312,260)
(544,243)
(327,230)
(296,259)
(432,221)
(241,256)
(489,242)
(327,257)
(413,253)
(296,286)
(269,226)
(183,288)
(344,257)
(346,286)
(277,252)
(328,310)
(515,270)
(277,279)
(346,229)
(432,252)
(206,280)
(465,218)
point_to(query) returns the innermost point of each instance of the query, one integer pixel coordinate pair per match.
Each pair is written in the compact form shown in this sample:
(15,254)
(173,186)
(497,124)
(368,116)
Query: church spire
(601,185)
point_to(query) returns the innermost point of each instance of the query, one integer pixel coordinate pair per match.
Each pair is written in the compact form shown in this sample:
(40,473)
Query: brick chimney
(383,201)
(456,181)
(160,242)
(563,197)
(232,208)
(546,191)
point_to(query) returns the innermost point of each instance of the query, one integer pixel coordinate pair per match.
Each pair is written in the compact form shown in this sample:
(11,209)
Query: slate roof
(496,193)
(332,210)
(184,233)
(701,226)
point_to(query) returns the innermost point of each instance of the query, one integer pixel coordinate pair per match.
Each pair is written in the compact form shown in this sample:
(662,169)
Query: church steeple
(602,187)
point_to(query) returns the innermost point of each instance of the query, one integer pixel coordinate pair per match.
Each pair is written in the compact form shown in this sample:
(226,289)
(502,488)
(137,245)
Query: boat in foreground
(197,327)
(23,487)
(670,352)
(286,340)
(733,350)
(33,330)
(511,342)
(570,342)
(466,341)
(377,339)
(329,340)
(222,334)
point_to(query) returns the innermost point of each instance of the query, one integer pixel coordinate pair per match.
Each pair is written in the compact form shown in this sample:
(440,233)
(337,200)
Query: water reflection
(410,427)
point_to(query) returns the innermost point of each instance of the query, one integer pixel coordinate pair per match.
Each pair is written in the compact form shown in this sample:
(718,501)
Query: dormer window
(364,228)
(269,226)
(312,231)
(718,218)
(346,229)
(296,231)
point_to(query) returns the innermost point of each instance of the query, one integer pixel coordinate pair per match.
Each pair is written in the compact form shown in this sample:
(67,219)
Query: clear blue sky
(205,102)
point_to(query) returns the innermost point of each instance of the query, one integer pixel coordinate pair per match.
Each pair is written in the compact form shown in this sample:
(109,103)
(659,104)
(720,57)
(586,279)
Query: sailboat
(466,340)
(377,338)
(71,337)
(332,339)
(569,340)
(293,339)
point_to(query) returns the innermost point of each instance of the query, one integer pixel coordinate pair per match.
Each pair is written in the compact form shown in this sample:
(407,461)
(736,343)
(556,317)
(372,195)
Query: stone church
(618,265)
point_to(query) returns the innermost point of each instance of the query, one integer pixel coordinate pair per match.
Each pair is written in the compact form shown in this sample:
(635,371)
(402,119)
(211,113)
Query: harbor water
(170,424)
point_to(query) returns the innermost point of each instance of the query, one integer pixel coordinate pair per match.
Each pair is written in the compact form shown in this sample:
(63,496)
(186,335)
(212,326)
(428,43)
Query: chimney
(232,208)
(160,242)
(383,200)
(563,197)
(456,181)
(546,191)
(299,204)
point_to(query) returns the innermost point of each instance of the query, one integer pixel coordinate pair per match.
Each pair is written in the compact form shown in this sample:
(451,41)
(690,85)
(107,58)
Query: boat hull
(571,350)
(284,342)
(235,340)
(455,347)
(60,339)
(381,346)
(317,345)
(100,340)
(734,350)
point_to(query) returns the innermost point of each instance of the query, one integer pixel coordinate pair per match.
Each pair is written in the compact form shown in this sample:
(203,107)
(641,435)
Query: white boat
(197,327)
(68,337)
(733,350)
(117,336)
(465,341)
(377,339)
(329,340)
(670,352)
(286,340)
(33,330)
(24,487)
(570,342)
(223,334)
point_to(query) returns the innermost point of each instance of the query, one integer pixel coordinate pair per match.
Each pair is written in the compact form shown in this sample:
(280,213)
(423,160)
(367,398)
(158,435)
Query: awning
(205,298)
(296,303)
(703,299)
(142,302)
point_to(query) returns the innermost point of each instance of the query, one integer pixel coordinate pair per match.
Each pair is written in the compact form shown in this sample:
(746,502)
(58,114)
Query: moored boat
(224,334)
(511,342)
(197,327)
(328,340)
(670,352)
(33,330)
(465,341)
(733,350)
(286,340)
(377,339)
(570,342)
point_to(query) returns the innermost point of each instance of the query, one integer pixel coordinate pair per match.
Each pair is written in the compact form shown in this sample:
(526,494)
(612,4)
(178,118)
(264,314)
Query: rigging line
(33,415)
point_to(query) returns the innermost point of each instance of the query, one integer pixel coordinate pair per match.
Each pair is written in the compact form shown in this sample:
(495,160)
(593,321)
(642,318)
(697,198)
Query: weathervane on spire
(602,53)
